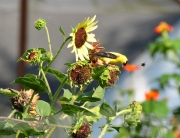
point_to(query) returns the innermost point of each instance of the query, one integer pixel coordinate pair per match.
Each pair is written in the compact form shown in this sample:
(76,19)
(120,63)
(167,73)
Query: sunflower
(81,36)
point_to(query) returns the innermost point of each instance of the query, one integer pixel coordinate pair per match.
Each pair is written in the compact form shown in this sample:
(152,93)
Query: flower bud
(39,24)
(133,117)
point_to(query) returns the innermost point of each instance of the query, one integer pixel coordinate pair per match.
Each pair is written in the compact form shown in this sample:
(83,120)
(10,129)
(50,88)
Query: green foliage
(43,108)
(31,81)
(81,107)
(59,75)
(158,108)
(71,110)
(106,110)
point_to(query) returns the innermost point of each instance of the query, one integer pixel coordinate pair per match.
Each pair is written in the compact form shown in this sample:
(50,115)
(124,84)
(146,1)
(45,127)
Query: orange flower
(131,67)
(176,134)
(162,27)
(152,95)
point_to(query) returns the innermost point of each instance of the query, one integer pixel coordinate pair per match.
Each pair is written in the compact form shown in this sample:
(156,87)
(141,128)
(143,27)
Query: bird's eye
(125,63)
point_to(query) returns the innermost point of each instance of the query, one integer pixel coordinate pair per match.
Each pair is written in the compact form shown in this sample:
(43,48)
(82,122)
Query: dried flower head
(81,36)
(109,76)
(95,61)
(80,72)
(19,102)
(83,131)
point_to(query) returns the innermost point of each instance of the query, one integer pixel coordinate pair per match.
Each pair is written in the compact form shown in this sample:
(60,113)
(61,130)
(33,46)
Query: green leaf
(62,32)
(98,116)
(9,92)
(6,128)
(68,64)
(2,124)
(92,96)
(43,50)
(59,75)
(106,110)
(159,108)
(169,134)
(27,129)
(43,108)
(99,92)
(98,71)
(117,128)
(73,109)
(87,97)
(123,133)
(109,130)
(66,96)
(30,81)
(53,120)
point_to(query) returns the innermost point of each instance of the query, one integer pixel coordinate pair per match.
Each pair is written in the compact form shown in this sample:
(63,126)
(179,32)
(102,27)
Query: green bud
(133,117)
(39,24)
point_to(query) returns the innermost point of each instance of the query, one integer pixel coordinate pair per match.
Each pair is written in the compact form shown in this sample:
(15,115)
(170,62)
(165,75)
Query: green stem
(112,118)
(47,84)
(59,90)
(57,53)
(49,42)
(50,132)
(104,130)
(165,34)
(27,107)
(11,114)
(17,134)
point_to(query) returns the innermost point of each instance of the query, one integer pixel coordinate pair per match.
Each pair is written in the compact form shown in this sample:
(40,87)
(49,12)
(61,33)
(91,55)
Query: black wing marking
(106,54)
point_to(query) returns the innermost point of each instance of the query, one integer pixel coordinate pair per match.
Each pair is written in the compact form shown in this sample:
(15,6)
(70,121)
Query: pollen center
(80,37)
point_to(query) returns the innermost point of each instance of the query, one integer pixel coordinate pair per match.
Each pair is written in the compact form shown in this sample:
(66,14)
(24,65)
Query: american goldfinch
(112,57)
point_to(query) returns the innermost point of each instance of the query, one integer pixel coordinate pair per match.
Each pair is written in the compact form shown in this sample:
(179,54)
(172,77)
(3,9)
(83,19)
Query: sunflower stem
(11,114)
(62,45)
(58,90)
(47,84)
(49,42)
(27,107)
(111,119)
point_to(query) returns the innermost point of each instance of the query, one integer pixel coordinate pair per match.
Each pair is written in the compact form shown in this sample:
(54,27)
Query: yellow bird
(112,57)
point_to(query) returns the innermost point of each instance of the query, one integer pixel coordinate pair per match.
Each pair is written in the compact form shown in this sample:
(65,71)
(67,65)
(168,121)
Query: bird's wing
(106,54)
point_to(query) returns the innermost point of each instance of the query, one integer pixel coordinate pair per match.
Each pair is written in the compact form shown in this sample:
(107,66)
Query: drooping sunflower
(81,36)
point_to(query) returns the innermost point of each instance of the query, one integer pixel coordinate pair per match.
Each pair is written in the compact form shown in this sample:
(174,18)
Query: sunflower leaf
(106,110)
(62,32)
(30,81)
(43,108)
(59,75)
(70,109)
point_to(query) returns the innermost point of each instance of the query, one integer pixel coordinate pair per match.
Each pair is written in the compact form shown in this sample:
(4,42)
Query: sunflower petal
(91,29)
(70,44)
(88,45)
(80,55)
(90,38)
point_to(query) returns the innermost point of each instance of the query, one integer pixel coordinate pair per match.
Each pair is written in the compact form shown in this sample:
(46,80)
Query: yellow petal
(80,54)
(90,38)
